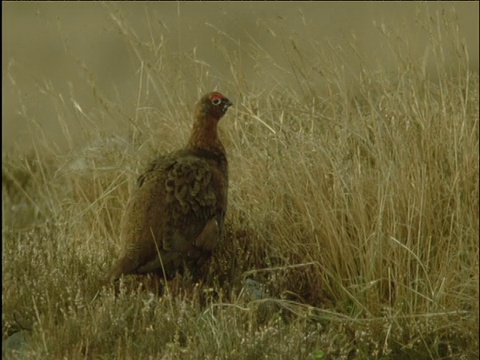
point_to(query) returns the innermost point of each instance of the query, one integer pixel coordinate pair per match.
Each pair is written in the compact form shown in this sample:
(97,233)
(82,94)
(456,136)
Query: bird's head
(213,105)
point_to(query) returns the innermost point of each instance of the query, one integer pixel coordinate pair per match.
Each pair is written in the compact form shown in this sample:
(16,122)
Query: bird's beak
(226,104)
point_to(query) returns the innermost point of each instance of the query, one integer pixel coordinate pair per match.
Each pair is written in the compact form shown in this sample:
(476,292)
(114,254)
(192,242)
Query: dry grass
(353,218)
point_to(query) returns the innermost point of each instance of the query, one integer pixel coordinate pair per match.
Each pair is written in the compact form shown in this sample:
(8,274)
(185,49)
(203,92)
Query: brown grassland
(353,221)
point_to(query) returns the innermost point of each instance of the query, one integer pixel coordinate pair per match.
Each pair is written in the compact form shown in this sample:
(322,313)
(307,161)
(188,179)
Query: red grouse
(175,217)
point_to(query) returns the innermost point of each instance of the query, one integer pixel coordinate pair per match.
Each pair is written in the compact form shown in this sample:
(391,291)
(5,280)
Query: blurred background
(54,54)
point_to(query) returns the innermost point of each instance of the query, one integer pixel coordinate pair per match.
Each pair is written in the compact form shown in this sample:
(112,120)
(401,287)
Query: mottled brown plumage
(175,217)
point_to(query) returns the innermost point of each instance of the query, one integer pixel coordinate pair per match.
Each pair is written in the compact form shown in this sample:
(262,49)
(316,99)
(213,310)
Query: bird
(175,216)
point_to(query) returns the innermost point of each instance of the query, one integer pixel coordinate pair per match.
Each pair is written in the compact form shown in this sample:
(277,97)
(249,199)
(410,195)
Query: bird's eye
(216,101)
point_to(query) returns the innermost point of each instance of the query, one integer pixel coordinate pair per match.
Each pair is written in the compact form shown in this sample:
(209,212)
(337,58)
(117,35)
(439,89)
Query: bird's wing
(191,201)
(176,211)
